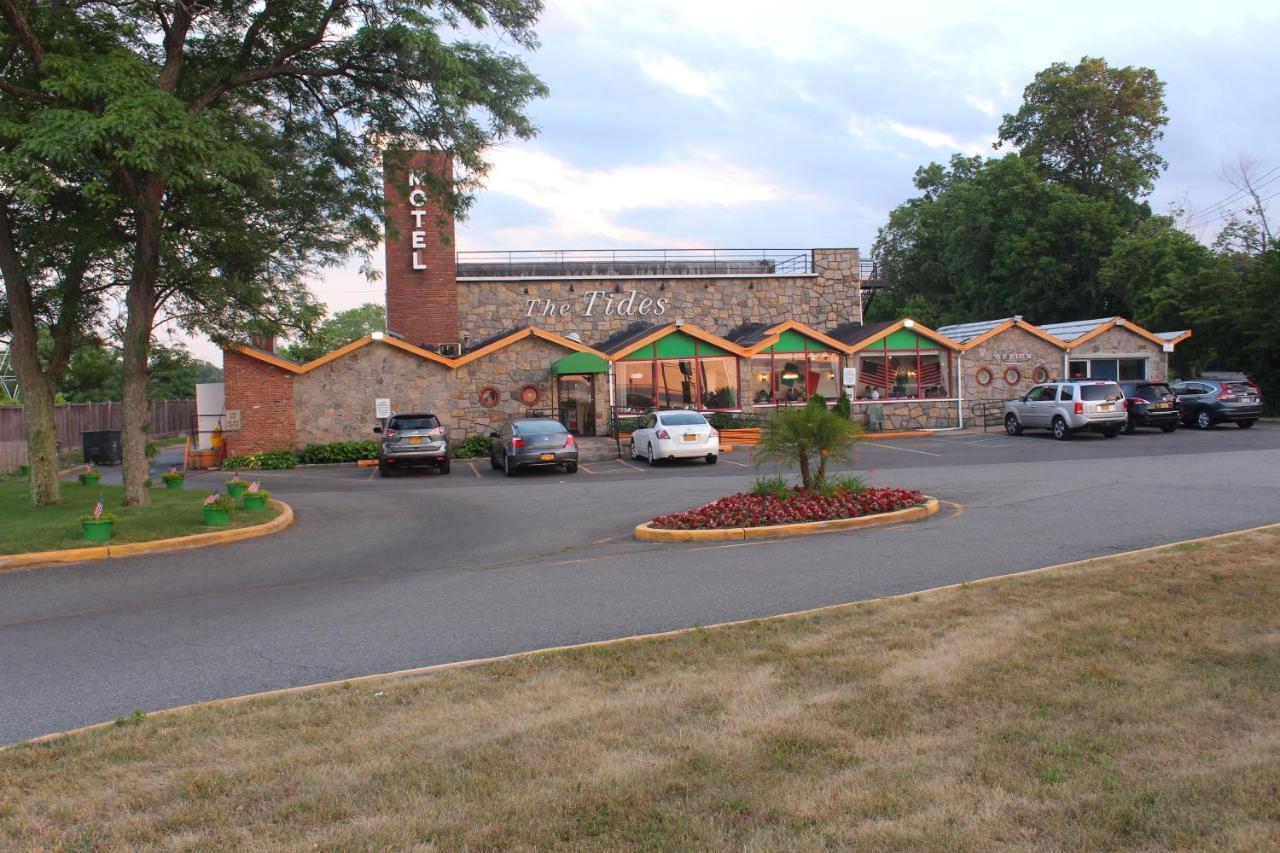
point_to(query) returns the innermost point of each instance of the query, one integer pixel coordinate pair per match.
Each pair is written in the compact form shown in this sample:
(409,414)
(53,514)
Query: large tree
(1092,127)
(342,328)
(241,140)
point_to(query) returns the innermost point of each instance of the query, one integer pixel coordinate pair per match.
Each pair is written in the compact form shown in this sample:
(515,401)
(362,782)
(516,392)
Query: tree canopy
(341,328)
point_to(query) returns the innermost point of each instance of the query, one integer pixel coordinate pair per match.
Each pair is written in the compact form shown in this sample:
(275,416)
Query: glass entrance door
(576,396)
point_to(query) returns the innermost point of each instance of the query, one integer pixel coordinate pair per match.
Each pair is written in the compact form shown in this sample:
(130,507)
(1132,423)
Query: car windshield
(538,427)
(412,422)
(682,419)
(1110,391)
(1152,392)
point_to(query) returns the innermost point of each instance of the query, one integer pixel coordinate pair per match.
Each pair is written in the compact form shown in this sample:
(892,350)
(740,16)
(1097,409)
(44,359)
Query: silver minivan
(1066,407)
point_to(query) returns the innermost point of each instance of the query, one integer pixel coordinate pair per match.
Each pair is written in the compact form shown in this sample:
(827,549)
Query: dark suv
(412,438)
(1150,404)
(1206,402)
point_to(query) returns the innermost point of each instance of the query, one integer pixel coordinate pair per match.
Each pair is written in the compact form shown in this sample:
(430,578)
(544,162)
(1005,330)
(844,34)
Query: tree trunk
(804,468)
(140,305)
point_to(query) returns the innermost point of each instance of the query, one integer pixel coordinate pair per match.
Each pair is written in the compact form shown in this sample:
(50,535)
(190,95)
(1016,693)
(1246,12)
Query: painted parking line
(629,465)
(472,465)
(585,468)
(731,462)
(904,449)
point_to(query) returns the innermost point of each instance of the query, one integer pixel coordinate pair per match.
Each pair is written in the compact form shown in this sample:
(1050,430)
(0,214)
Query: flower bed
(748,510)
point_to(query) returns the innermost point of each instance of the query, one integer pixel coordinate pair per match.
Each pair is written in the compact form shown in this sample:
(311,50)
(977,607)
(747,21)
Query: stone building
(584,336)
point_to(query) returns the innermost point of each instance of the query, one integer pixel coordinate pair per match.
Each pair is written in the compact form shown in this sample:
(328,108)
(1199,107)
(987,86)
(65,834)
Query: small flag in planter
(212,499)
(97,509)
(253,487)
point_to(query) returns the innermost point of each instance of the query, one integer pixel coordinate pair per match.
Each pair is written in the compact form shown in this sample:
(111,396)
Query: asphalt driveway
(380,575)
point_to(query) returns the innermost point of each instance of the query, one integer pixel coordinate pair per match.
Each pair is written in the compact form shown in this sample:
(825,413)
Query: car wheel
(711,458)
(384,470)
(1245,424)
(1011,424)
(634,454)
(1128,428)
(493,461)
(1111,432)
(571,467)
(444,466)
(1168,427)
(1204,420)
(507,467)
(652,459)
(1060,430)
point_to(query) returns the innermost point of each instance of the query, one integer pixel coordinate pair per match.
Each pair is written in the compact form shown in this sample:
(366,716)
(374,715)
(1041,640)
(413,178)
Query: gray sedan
(532,442)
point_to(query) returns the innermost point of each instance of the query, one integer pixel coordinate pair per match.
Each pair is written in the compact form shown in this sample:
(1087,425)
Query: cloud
(878,134)
(678,75)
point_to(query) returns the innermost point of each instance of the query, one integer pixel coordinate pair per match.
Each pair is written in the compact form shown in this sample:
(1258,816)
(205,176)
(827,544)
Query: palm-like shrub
(808,437)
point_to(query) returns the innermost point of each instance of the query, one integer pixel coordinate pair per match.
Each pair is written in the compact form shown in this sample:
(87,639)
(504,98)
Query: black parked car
(1150,404)
(1206,402)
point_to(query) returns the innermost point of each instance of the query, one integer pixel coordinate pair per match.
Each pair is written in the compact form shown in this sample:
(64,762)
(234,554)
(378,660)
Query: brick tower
(422,283)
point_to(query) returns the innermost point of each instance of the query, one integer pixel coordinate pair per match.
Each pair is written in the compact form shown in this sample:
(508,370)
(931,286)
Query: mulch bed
(748,510)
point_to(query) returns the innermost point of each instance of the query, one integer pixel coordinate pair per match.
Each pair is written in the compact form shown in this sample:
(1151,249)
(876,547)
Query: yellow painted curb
(906,433)
(419,671)
(366,463)
(158,546)
(646,533)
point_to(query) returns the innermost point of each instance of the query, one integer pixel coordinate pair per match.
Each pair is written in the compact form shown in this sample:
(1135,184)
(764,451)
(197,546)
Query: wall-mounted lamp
(377,336)
(908,324)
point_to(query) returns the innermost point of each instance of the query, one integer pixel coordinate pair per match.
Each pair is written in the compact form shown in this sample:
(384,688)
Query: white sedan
(676,434)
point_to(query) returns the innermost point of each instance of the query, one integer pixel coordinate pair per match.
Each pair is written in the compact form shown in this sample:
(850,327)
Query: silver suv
(412,438)
(1065,407)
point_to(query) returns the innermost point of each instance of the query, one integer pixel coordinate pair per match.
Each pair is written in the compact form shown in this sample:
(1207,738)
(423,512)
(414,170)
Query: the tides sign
(600,302)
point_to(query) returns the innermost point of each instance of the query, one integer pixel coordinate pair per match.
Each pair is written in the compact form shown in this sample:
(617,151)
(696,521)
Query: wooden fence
(168,418)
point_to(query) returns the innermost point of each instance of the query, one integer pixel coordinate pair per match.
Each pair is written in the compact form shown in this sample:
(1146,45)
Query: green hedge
(268,460)
(338,451)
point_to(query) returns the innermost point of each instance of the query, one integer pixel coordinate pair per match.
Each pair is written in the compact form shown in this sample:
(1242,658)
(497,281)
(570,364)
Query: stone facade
(1119,342)
(335,401)
(823,299)
(1014,354)
(909,414)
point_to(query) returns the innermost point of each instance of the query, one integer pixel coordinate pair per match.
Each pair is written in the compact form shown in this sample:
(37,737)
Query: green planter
(24,470)
(97,531)
(237,489)
(90,479)
(217,517)
(176,485)
(257,503)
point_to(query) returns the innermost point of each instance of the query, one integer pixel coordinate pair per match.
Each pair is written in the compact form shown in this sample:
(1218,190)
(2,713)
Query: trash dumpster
(101,446)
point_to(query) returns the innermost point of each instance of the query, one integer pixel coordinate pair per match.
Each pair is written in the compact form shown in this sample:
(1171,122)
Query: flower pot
(173,484)
(90,479)
(237,489)
(217,517)
(97,531)
(256,503)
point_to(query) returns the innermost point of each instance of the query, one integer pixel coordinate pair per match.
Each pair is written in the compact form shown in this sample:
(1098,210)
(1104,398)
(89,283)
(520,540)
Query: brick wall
(422,304)
(264,396)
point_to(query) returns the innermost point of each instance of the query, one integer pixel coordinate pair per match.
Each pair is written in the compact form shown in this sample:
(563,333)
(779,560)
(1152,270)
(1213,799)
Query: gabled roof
(625,337)
(510,336)
(970,335)
(774,333)
(1174,337)
(1078,332)
(748,334)
(859,338)
(635,337)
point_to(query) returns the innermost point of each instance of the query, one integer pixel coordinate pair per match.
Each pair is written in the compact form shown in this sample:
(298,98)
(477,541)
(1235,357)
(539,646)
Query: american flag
(212,499)
(253,487)
(97,508)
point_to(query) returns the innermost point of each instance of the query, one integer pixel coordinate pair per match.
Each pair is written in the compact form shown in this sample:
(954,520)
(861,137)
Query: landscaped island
(793,506)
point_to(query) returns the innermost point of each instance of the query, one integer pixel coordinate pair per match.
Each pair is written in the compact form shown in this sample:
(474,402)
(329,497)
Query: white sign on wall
(850,377)
(231,420)
(382,407)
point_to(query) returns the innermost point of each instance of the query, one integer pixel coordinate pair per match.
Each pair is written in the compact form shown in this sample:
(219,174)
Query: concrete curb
(156,546)
(417,672)
(646,533)
(906,433)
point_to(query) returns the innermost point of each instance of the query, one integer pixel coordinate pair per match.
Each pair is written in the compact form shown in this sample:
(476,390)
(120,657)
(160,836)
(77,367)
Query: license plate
(1251,399)
(690,437)
(1105,407)
(1161,406)
(415,439)
(547,457)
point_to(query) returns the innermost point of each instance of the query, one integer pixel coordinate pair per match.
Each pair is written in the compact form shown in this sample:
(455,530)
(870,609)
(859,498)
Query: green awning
(580,362)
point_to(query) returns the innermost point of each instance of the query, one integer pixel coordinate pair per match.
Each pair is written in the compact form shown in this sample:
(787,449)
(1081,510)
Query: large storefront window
(696,381)
(889,370)
(794,377)
(1109,368)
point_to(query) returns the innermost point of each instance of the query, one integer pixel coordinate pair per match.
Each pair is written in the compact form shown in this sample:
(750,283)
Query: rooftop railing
(634,262)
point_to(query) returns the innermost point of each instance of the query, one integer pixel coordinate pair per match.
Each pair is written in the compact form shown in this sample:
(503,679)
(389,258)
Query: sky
(753,124)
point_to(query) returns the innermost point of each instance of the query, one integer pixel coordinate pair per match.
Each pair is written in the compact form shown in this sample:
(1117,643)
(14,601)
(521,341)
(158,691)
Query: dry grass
(1128,703)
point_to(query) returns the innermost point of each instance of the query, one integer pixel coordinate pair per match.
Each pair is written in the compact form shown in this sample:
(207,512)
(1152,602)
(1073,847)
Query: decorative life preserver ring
(489,396)
(529,395)
(1012,376)
(984,376)
(1041,374)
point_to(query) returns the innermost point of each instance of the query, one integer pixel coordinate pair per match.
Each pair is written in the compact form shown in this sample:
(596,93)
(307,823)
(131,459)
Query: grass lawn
(172,513)
(1131,702)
